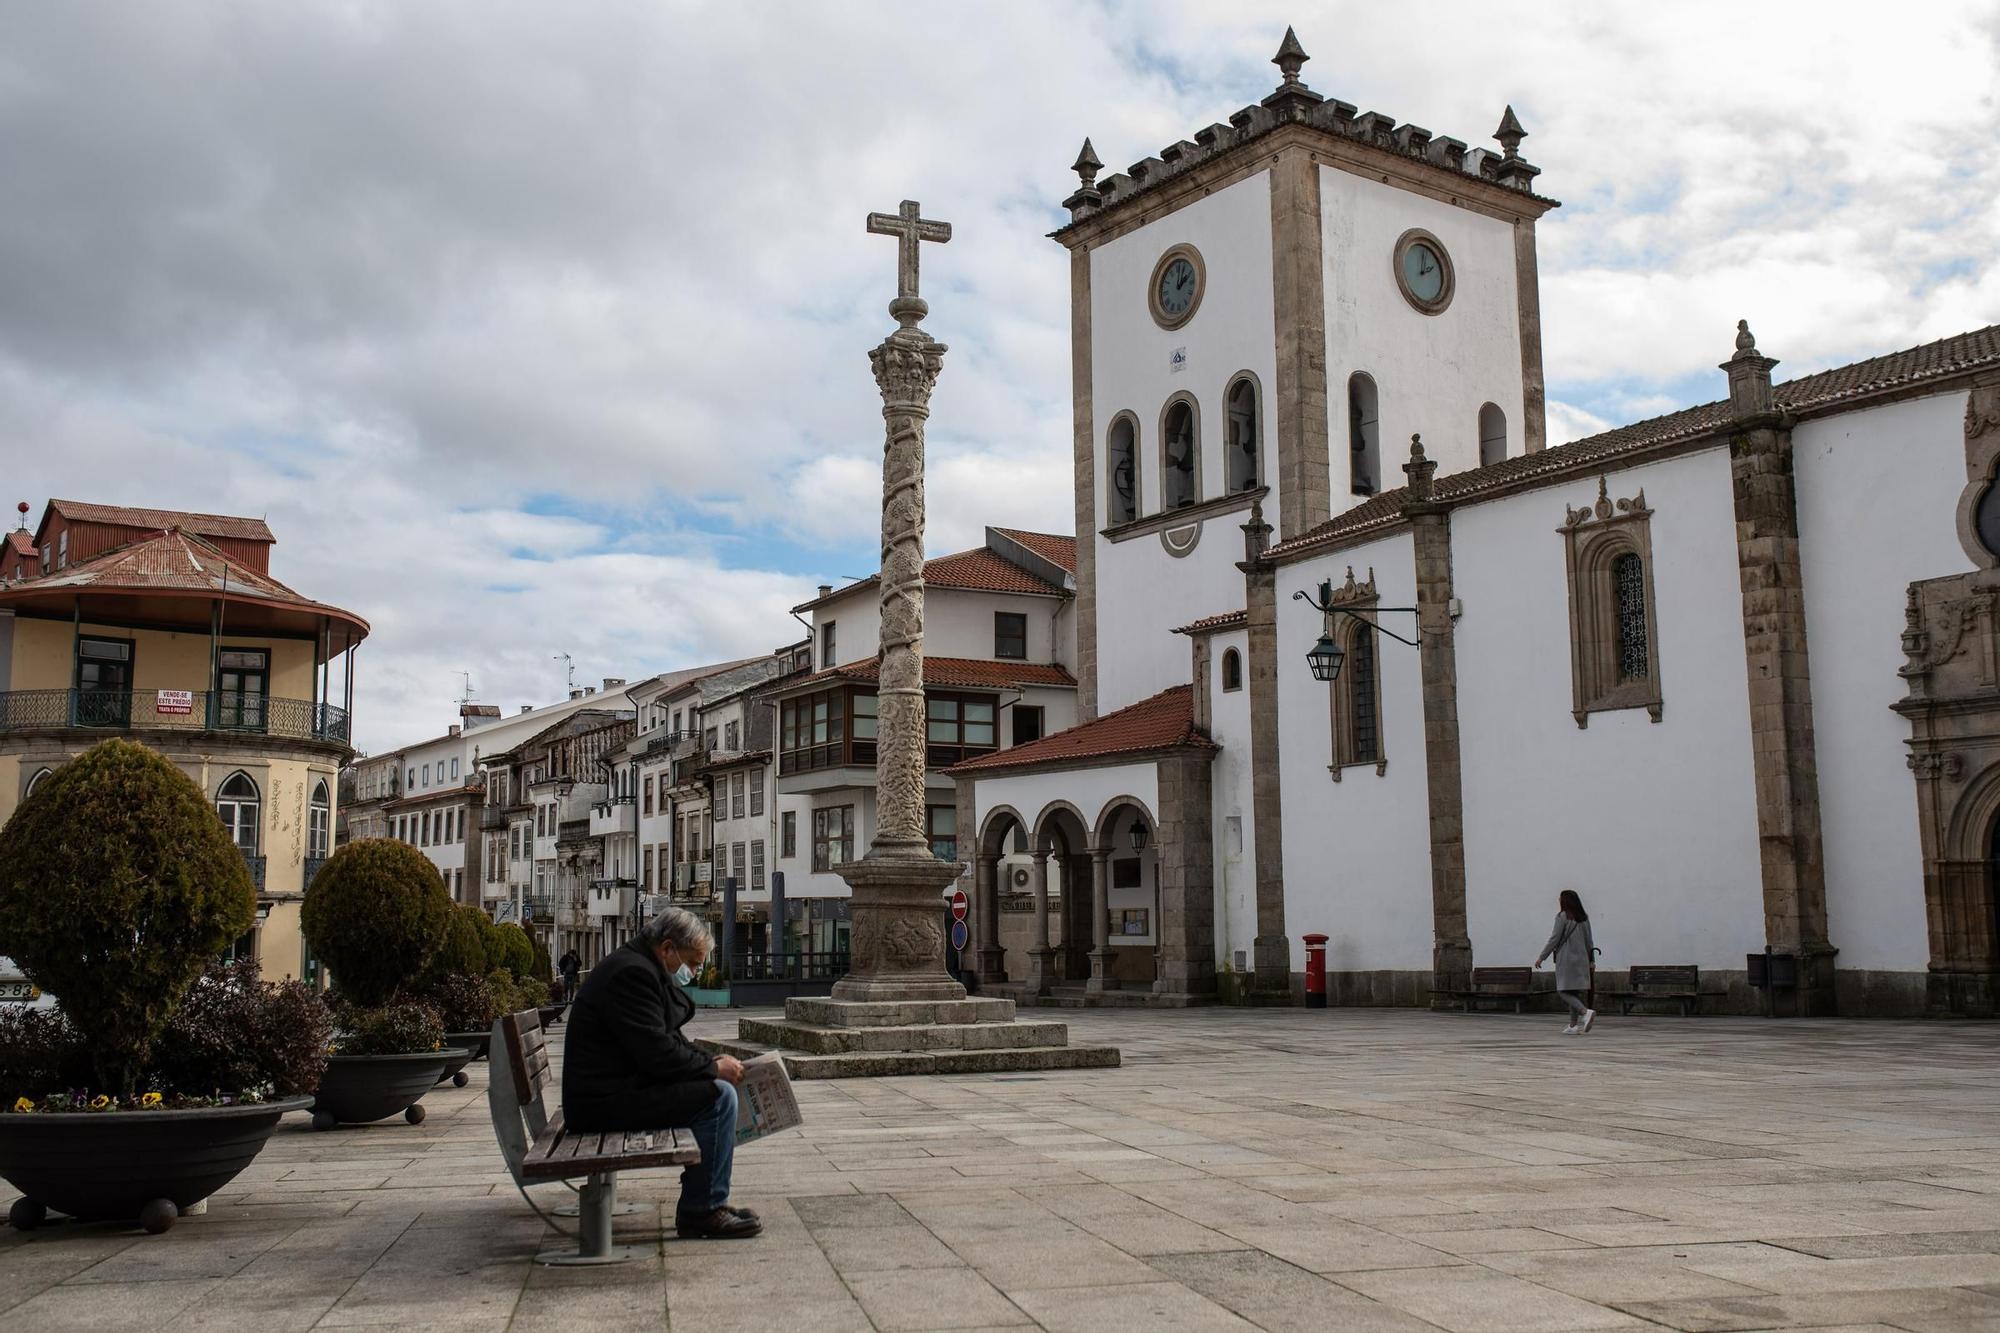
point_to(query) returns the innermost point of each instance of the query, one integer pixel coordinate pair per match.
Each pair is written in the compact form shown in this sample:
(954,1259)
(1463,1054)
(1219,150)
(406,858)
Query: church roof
(952,672)
(1163,722)
(1840,388)
(1210,624)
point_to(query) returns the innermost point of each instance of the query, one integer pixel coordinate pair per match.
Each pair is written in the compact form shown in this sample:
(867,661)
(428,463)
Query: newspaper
(764,1100)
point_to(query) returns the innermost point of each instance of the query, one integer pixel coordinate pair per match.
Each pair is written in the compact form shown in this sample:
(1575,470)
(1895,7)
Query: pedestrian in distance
(569,967)
(1569,944)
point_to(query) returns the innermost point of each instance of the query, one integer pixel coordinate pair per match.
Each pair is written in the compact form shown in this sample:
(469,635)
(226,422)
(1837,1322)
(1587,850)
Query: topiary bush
(517,950)
(461,952)
(541,970)
(117,885)
(40,1053)
(465,1004)
(393,1029)
(237,1033)
(374,915)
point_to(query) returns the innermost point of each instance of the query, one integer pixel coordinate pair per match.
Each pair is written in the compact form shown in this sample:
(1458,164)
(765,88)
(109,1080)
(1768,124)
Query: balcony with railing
(256,864)
(229,711)
(611,898)
(313,864)
(613,817)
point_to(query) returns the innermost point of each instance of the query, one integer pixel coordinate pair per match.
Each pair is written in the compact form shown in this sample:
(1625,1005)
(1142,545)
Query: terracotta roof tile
(977,570)
(1163,722)
(1808,395)
(1209,624)
(206,525)
(954,672)
(170,561)
(1050,546)
(21,542)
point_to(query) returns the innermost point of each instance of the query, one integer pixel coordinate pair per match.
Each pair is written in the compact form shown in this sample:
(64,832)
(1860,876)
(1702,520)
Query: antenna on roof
(467,694)
(570,664)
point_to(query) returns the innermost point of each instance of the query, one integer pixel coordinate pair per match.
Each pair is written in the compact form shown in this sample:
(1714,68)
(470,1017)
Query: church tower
(1263,316)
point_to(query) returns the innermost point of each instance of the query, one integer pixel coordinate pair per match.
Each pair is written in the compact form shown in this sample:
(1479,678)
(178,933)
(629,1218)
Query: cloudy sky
(540,329)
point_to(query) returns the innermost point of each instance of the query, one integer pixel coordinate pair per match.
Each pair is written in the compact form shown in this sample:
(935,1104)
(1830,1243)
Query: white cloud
(542,329)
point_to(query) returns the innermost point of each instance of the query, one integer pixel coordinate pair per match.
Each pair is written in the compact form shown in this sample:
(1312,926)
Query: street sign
(960,936)
(959,906)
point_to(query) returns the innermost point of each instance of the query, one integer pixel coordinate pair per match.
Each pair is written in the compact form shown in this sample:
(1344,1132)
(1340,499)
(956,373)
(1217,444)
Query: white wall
(1143,593)
(1653,823)
(1235,843)
(1090,790)
(857,629)
(959,623)
(1432,372)
(1877,494)
(1357,851)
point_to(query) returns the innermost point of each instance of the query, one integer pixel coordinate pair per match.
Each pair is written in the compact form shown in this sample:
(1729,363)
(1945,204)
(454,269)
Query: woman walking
(1569,944)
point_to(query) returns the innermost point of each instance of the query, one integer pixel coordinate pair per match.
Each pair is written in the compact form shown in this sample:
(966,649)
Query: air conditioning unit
(1020,877)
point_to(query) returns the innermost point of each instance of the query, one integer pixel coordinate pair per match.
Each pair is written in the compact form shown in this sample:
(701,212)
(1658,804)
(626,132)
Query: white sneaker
(1589,1017)
(1570,1031)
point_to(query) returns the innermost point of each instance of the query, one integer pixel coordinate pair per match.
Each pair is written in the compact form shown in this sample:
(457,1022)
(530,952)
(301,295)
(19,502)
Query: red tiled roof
(954,672)
(1808,395)
(171,561)
(206,525)
(1050,546)
(977,570)
(1209,624)
(21,542)
(1163,722)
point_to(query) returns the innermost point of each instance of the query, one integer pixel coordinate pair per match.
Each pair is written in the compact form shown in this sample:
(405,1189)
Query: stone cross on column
(909,229)
(897,907)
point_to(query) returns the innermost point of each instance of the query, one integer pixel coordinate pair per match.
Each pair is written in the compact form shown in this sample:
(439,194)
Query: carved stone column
(1100,905)
(1041,957)
(992,954)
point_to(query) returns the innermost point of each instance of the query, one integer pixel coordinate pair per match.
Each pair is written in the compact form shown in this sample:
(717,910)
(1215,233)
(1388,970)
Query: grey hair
(677,929)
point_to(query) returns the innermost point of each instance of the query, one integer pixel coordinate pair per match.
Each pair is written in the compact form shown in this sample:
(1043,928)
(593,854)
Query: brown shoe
(722,1224)
(747,1214)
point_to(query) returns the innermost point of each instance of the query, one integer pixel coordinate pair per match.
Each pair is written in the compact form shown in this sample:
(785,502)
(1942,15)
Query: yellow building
(168,628)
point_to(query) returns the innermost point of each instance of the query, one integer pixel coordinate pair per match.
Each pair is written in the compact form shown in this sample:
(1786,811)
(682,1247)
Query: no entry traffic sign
(959,906)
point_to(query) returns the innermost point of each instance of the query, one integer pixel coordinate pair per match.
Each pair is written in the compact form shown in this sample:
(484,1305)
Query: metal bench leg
(595,1202)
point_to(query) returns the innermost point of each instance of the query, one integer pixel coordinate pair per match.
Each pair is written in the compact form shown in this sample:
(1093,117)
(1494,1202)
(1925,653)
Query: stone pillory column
(897,939)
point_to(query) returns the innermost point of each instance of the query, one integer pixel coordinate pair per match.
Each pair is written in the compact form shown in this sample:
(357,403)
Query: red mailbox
(1315,971)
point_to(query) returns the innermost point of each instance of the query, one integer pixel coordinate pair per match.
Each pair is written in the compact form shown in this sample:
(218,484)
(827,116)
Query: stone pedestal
(1100,971)
(897,939)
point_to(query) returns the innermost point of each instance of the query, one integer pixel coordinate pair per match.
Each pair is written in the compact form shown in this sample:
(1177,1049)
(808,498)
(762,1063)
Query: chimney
(454,731)
(576,692)
(613,682)
(825,589)
(527,708)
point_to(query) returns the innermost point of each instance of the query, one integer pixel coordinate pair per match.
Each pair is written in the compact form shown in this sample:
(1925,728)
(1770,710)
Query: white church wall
(1143,593)
(1235,830)
(1653,823)
(1432,372)
(1877,497)
(1357,851)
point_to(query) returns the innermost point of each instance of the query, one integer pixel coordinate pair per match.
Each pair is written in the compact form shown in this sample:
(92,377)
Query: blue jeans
(705,1185)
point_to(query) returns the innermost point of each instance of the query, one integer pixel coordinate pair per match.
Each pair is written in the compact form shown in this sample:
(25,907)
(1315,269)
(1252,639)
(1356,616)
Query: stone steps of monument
(878,1064)
(822,1039)
(823,1011)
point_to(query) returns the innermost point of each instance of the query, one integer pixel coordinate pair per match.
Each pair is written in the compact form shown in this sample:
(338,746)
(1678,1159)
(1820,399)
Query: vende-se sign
(174,701)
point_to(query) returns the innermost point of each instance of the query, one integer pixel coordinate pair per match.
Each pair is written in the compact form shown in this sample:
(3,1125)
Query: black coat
(625,1063)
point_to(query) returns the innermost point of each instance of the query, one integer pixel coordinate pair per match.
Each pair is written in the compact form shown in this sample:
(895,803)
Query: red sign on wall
(174,701)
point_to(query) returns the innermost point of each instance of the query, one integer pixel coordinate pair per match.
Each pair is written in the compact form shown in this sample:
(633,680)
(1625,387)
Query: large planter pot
(708,998)
(551,1013)
(116,1166)
(454,1067)
(476,1042)
(358,1089)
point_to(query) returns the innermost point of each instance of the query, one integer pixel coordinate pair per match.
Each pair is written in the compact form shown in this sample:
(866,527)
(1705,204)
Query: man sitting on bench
(626,1066)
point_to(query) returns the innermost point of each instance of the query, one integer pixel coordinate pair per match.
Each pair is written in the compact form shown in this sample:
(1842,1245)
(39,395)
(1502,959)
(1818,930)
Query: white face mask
(683,974)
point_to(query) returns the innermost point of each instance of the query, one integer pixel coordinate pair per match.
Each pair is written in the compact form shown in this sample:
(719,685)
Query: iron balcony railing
(313,864)
(173,710)
(256,864)
(797,966)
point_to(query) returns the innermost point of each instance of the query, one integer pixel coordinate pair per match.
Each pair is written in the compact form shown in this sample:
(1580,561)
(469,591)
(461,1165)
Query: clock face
(1423,271)
(1177,287)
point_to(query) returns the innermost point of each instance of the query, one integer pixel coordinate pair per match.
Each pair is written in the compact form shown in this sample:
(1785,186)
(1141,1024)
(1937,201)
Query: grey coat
(1569,944)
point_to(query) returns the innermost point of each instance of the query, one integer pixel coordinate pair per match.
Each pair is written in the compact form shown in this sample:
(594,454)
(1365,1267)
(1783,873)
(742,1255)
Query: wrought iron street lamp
(1326,656)
(1138,835)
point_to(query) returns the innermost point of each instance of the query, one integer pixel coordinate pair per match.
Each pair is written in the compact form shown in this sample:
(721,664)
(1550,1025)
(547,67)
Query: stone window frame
(1357,595)
(1594,538)
(1180,396)
(1231,670)
(1111,518)
(1257,477)
(1501,413)
(1372,449)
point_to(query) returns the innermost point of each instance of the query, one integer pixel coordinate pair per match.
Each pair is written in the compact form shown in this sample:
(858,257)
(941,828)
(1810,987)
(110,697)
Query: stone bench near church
(1500,985)
(1667,983)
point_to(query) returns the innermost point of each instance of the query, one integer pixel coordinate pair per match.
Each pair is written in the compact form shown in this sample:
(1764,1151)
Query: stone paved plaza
(1347,1169)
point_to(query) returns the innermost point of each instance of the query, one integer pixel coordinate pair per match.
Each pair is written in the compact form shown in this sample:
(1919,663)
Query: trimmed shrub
(375,914)
(237,1033)
(117,885)
(541,969)
(492,942)
(517,950)
(461,952)
(392,1029)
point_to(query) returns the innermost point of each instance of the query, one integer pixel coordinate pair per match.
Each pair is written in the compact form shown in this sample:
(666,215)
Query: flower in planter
(100,1103)
(23,1106)
(150,1100)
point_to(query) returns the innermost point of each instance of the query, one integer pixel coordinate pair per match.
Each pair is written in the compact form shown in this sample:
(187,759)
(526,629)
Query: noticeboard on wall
(1133,921)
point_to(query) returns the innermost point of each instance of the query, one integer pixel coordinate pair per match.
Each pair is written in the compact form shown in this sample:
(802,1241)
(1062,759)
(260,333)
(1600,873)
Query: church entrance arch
(1128,838)
(1062,839)
(1001,859)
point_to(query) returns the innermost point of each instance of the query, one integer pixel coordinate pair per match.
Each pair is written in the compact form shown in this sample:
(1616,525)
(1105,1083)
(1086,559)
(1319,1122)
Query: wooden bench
(1675,983)
(538,1149)
(1502,985)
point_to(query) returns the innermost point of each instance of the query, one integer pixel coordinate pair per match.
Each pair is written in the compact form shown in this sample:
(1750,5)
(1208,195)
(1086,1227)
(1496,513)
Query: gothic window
(1492,435)
(33,783)
(1614,626)
(1232,671)
(1245,436)
(1364,429)
(1180,462)
(1124,471)
(1355,695)
(320,822)
(238,803)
